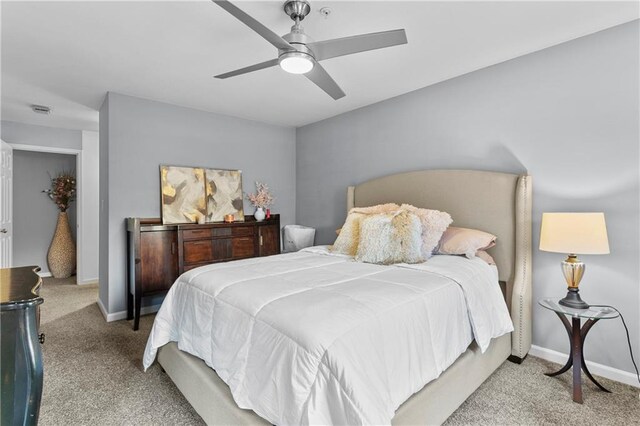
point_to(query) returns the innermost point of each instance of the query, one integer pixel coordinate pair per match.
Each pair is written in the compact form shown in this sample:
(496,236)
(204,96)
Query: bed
(496,202)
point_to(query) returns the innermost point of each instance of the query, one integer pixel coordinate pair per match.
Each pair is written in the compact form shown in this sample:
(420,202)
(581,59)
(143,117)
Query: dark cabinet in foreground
(21,369)
(157,254)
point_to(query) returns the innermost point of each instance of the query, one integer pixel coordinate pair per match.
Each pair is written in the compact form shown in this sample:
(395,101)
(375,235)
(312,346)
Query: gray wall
(29,134)
(138,135)
(567,114)
(34,213)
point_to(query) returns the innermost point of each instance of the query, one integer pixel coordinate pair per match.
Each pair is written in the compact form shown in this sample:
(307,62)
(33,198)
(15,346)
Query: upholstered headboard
(499,203)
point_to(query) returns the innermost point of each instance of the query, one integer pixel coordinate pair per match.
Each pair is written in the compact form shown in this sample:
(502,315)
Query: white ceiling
(69,54)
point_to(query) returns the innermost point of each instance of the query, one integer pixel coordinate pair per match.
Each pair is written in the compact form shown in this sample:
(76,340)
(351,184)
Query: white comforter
(316,338)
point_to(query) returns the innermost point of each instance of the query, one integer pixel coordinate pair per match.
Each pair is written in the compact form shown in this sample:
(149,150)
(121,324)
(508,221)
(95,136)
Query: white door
(6,205)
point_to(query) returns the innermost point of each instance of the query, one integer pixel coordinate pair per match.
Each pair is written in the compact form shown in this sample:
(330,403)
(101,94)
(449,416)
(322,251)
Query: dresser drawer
(196,234)
(243,247)
(198,251)
(241,231)
(196,265)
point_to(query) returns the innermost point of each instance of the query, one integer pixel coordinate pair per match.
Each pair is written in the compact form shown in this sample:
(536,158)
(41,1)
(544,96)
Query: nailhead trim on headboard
(523,281)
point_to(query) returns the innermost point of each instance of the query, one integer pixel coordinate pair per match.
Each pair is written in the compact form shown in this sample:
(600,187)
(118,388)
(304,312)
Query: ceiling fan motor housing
(298,40)
(297,9)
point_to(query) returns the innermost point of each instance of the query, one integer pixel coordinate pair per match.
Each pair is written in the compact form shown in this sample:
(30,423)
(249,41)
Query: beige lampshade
(574,233)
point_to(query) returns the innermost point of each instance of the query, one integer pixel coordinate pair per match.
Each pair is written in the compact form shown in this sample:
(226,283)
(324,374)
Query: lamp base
(573,300)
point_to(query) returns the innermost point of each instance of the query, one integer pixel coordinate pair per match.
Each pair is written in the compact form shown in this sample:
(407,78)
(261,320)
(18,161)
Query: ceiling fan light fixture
(296,62)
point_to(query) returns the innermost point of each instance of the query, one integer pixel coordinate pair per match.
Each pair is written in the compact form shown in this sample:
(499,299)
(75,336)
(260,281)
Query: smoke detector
(325,11)
(41,109)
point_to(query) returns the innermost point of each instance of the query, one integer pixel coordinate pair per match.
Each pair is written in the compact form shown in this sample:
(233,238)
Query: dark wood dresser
(21,368)
(157,254)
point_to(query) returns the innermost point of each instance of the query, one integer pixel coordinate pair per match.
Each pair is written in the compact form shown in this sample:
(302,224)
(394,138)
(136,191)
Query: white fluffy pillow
(390,238)
(434,223)
(349,235)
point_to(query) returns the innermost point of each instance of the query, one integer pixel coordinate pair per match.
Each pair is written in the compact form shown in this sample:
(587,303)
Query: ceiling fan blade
(256,26)
(323,80)
(250,68)
(361,43)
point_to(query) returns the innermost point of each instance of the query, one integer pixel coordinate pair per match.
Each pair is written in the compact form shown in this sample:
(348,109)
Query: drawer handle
(198,231)
(199,243)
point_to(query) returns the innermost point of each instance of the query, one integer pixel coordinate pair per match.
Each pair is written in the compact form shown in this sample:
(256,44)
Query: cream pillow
(465,241)
(349,234)
(347,241)
(390,238)
(434,223)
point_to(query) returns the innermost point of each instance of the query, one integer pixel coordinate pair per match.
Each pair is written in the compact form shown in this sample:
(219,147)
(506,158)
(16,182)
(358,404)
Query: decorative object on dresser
(573,234)
(157,254)
(261,200)
(198,195)
(21,360)
(61,256)
(224,194)
(183,194)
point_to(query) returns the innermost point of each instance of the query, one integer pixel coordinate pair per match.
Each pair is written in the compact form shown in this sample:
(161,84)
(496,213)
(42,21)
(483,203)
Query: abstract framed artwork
(198,194)
(183,194)
(224,194)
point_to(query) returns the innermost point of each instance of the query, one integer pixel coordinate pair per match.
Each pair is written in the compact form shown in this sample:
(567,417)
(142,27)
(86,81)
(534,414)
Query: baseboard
(117,316)
(83,282)
(103,310)
(595,368)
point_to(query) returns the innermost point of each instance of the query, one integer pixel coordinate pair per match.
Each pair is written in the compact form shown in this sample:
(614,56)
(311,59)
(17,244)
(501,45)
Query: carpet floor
(93,375)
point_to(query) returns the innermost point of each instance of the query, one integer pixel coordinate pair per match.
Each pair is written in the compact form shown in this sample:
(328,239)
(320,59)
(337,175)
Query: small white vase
(259,214)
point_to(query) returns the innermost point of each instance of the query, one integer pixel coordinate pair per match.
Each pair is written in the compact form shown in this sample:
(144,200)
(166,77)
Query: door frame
(79,200)
(9,256)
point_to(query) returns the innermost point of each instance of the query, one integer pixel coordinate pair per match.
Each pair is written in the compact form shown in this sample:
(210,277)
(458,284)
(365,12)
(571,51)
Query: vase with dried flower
(261,200)
(62,251)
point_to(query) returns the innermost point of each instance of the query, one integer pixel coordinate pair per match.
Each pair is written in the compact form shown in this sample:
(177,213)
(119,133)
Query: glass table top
(592,312)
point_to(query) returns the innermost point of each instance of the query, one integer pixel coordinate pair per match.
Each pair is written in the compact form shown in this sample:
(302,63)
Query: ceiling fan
(299,54)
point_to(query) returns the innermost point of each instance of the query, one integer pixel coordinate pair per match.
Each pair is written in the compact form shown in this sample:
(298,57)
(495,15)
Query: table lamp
(574,233)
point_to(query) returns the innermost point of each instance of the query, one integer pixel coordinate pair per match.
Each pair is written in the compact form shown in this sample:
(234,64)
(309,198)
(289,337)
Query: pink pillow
(486,257)
(465,241)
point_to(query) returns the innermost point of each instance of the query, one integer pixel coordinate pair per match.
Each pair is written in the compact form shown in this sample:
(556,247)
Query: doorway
(35,215)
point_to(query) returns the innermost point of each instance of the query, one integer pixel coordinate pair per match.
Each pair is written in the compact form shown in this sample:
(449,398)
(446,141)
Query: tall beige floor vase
(62,252)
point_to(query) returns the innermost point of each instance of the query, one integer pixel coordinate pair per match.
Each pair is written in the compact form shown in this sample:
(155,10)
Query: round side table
(577,334)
